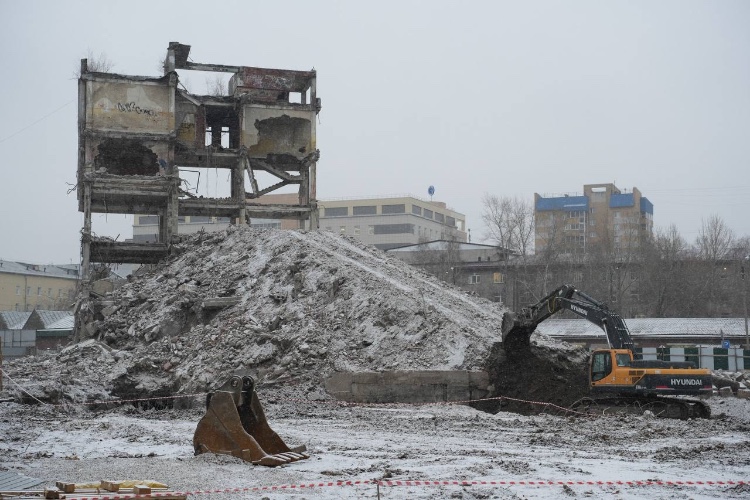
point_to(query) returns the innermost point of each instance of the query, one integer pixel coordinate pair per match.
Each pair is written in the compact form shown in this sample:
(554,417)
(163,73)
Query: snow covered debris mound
(297,306)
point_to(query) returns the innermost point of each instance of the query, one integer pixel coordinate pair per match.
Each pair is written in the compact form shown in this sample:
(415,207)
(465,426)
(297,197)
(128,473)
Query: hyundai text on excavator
(617,380)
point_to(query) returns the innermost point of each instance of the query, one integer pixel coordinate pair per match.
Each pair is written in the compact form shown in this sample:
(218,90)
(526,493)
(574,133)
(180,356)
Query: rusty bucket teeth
(235,424)
(271,461)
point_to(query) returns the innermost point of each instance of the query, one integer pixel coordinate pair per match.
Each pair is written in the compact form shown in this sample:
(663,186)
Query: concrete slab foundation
(408,386)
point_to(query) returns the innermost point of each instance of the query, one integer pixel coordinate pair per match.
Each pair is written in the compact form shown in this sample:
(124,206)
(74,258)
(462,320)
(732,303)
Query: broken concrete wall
(145,106)
(278,131)
(429,386)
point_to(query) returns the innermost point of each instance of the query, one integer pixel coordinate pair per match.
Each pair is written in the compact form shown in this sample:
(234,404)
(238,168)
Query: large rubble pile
(289,307)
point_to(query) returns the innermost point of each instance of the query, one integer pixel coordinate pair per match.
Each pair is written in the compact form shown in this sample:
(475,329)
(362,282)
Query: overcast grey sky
(507,98)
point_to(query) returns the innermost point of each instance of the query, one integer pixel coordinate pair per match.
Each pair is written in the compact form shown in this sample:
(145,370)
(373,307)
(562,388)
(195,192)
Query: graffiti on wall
(132,107)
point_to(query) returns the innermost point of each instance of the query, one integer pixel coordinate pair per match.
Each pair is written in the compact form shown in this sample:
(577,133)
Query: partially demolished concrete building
(136,133)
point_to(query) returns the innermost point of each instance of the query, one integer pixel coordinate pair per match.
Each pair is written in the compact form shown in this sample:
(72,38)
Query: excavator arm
(517,327)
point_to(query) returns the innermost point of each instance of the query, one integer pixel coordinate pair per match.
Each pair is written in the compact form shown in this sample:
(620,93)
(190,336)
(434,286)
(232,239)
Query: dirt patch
(550,374)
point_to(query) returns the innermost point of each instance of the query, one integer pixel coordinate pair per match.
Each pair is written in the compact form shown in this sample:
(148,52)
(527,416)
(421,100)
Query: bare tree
(666,290)
(96,63)
(714,247)
(216,86)
(715,239)
(509,222)
(441,258)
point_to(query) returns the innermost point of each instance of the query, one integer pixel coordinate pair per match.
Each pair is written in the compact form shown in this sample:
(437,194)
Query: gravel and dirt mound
(305,305)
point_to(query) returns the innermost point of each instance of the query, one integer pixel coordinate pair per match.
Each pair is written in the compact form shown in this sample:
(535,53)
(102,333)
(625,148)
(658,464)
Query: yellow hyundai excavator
(235,424)
(616,378)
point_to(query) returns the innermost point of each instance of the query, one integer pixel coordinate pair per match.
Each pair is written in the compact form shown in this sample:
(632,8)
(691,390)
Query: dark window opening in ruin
(222,127)
(126,157)
(219,141)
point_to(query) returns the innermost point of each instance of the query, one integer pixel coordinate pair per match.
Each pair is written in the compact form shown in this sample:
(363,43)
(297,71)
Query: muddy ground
(391,443)
(299,307)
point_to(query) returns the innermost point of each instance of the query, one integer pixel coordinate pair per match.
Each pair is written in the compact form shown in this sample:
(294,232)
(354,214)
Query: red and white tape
(304,486)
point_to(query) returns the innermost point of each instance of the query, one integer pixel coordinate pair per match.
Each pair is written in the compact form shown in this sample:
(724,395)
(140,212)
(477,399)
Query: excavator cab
(235,424)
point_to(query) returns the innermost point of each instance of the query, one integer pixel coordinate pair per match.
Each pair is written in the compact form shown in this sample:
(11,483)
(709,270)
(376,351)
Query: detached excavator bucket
(235,424)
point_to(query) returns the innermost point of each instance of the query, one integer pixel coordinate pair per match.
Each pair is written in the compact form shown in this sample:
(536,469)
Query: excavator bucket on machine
(235,424)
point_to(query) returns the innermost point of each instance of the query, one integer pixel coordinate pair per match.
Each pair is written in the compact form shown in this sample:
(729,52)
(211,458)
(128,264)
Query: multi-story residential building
(392,221)
(385,223)
(25,287)
(603,215)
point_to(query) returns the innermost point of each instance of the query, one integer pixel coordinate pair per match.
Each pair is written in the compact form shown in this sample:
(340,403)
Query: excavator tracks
(662,407)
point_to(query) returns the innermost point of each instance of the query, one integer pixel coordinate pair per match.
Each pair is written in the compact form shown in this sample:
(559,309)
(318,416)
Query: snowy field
(387,443)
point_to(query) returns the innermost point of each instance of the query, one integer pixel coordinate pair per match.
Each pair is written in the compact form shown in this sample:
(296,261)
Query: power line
(40,119)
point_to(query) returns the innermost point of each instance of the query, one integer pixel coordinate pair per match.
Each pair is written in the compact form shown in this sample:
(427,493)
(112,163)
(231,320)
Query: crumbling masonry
(135,133)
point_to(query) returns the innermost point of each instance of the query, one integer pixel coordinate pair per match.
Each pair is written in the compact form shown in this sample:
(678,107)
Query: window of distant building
(38,291)
(365,210)
(370,229)
(417,210)
(498,278)
(342,229)
(28,291)
(356,229)
(18,307)
(394,229)
(49,292)
(18,289)
(336,212)
(144,220)
(427,214)
(393,209)
(439,217)
(474,279)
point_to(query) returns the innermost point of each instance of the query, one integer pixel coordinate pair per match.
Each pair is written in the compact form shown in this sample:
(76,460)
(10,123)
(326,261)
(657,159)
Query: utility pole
(744,299)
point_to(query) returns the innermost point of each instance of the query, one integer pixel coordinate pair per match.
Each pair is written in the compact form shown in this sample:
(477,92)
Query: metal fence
(713,358)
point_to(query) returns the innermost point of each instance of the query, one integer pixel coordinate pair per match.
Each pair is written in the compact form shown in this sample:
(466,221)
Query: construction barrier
(427,483)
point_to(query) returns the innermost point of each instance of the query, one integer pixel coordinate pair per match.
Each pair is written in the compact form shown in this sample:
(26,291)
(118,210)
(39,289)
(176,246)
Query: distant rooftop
(676,327)
(66,271)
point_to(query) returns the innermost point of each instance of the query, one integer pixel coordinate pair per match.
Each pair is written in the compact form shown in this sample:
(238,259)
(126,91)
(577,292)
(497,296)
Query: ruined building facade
(137,134)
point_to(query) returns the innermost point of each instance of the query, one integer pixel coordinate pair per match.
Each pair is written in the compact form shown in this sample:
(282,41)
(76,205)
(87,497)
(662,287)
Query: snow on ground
(311,304)
(391,443)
